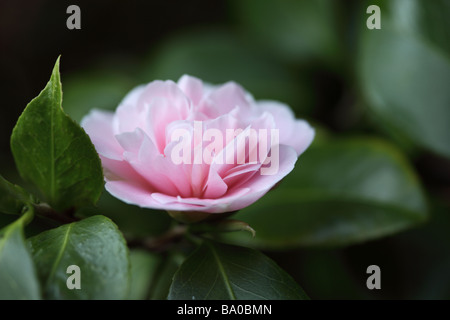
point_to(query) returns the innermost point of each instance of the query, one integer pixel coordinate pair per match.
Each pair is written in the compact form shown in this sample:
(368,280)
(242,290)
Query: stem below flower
(188,216)
(161,243)
(44,210)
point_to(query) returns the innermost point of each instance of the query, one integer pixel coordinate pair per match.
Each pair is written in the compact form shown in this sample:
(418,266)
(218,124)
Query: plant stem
(160,243)
(44,210)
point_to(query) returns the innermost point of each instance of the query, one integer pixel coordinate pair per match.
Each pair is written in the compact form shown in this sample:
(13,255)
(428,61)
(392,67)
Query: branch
(160,243)
(44,210)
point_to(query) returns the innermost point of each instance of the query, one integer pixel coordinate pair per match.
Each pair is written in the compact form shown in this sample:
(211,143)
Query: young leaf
(12,197)
(217,271)
(54,153)
(18,279)
(96,246)
(341,192)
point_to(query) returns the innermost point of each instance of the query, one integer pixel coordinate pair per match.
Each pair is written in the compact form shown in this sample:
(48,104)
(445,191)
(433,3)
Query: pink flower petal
(190,146)
(215,187)
(293,132)
(192,88)
(224,99)
(98,125)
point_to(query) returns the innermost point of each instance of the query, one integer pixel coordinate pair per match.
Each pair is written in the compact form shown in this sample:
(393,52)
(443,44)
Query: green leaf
(12,197)
(96,246)
(54,153)
(404,71)
(143,269)
(163,278)
(425,19)
(341,192)
(217,271)
(297,30)
(18,279)
(217,57)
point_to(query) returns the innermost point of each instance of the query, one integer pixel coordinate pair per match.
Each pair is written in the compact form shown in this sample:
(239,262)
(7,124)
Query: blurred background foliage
(374,188)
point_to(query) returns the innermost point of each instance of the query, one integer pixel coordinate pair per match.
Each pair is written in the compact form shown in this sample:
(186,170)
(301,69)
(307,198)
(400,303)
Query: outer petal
(98,125)
(128,117)
(115,170)
(133,193)
(220,205)
(168,90)
(303,137)
(132,97)
(235,199)
(192,88)
(224,99)
(136,194)
(296,133)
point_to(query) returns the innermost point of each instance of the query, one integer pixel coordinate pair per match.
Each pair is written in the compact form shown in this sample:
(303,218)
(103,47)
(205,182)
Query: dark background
(126,43)
(34,33)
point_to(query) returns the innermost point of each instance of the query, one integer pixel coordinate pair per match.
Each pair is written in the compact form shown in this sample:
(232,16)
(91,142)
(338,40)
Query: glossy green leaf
(217,271)
(425,19)
(298,30)
(96,246)
(144,266)
(404,71)
(12,197)
(18,279)
(54,153)
(341,192)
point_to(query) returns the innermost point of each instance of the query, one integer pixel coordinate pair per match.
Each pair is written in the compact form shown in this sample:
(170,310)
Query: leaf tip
(55,72)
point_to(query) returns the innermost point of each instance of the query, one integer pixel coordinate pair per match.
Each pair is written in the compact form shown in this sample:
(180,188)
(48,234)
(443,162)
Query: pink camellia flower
(193,147)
